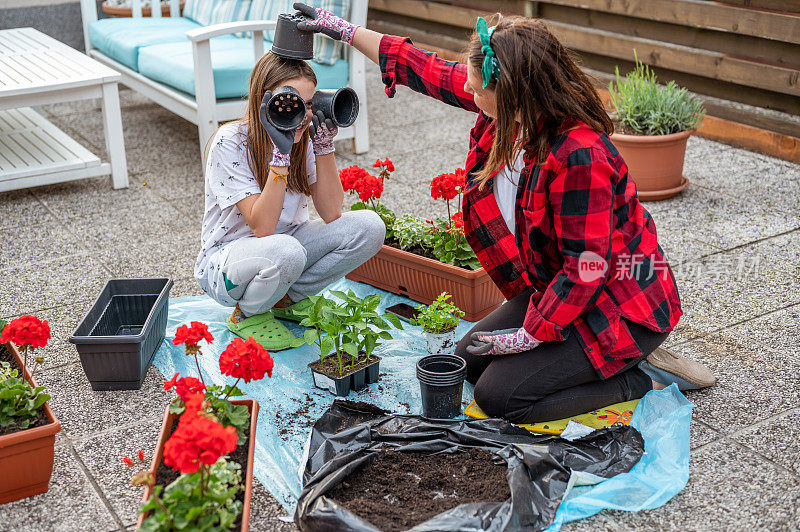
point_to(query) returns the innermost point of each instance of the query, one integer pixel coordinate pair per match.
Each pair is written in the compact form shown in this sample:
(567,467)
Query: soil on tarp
(399,490)
(41,418)
(329,366)
(165,475)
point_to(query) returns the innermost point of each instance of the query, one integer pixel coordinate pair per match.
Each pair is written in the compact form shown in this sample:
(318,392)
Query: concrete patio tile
(128,99)
(44,239)
(84,412)
(759,178)
(186,287)
(699,151)
(102,455)
(701,434)
(19,208)
(71,503)
(265,510)
(753,382)
(31,287)
(89,196)
(736,285)
(777,438)
(171,255)
(729,488)
(600,522)
(779,331)
(133,227)
(717,219)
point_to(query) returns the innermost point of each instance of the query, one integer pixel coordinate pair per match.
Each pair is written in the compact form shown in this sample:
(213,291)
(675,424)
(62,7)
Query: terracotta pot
(441,343)
(120,12)
(163,436)
(655,163)
(423,279)
(26,457)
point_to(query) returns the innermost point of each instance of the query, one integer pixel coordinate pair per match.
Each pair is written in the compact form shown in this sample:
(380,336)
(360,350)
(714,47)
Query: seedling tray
(118,338)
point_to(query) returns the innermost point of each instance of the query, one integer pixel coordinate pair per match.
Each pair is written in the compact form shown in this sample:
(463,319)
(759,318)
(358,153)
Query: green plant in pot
(653,124)
(352,330)
(439,321)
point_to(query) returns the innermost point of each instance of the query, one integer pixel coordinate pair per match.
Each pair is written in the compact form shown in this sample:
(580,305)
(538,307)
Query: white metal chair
(204,109)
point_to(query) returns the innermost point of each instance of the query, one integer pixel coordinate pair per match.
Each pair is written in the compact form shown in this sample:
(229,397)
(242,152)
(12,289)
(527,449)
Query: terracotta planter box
(119,11)
(423,279)
(26,457)
(163,436)
(655,163)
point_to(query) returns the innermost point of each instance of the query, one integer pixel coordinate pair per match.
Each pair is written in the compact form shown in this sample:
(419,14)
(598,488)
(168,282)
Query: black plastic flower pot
(286,109)
(118,338)
(441,381)
(373,371)
(289,42)
(340,105)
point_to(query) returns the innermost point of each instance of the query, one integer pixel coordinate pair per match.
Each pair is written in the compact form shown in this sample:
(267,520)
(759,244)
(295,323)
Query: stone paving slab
(730,489)
(777,438)
(70,505)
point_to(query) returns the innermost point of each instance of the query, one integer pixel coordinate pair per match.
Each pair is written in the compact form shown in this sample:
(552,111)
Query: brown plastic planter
(423,279)
(121,12)
(26,457)
(655,163)
(163,436)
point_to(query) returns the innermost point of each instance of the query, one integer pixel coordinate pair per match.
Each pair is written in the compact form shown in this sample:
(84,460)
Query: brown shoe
(667,367)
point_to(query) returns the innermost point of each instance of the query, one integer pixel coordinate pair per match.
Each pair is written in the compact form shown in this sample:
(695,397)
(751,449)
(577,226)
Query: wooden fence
(742,56)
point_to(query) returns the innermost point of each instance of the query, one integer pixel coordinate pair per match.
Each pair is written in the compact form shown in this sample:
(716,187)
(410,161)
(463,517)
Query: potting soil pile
(290,405)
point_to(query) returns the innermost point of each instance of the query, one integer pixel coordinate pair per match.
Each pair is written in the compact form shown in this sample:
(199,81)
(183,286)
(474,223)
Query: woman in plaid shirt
(553,217)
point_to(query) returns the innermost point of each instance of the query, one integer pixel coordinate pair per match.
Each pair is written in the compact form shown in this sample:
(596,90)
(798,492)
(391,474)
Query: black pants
(553,381)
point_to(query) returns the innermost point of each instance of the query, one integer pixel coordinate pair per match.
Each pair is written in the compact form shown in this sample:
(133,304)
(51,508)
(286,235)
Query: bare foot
(658,385)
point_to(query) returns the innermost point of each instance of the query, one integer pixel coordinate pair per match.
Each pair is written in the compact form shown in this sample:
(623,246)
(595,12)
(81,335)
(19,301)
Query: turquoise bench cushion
(121,38)
(232,62)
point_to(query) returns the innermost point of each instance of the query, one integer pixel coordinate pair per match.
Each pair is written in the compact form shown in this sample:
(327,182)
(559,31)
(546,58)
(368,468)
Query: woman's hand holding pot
(326,22)
(282,141)
(322,131)
(503,342)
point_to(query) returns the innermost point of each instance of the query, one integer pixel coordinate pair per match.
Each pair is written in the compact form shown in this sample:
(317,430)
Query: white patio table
(36,69)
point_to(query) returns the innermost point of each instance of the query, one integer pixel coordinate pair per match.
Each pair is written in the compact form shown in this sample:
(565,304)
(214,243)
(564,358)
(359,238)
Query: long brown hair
(270,73)
(539,79)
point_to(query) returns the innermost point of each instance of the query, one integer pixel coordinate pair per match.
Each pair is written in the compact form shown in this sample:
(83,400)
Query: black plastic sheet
(539,467)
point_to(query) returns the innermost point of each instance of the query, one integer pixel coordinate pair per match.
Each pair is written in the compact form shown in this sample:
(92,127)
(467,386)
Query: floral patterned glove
(322,132)
(326,22)
(502,342)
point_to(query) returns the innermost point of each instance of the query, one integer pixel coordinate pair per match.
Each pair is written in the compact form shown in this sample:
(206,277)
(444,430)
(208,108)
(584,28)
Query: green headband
(490,67)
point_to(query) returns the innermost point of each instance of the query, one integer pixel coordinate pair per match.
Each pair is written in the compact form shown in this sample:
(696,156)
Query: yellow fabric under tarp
(597,419)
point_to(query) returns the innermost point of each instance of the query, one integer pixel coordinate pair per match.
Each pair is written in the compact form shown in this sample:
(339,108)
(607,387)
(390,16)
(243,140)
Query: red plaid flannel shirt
(579,203)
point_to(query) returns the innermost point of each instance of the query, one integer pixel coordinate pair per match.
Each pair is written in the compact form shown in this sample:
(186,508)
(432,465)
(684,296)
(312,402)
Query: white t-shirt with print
(228,181)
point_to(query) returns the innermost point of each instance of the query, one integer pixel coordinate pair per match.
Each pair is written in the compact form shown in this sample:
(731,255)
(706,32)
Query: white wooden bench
(204,109)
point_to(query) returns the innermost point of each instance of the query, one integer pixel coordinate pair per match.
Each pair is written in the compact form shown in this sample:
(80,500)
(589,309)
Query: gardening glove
(502,342)
(322,132)
(322,21)
(282,141)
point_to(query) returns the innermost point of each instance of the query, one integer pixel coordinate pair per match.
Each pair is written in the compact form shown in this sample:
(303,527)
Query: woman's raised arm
(400,61)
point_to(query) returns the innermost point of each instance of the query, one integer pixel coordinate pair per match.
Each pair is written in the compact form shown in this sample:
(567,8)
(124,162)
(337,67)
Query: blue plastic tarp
(289,405)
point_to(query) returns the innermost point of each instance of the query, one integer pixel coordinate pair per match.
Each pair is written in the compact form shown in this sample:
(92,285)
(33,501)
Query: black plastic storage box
(118,338)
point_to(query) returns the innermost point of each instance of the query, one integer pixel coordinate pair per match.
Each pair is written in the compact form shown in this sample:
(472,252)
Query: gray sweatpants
(258,272)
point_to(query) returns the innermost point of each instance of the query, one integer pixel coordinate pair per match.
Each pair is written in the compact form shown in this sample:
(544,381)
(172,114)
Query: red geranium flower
(386,162)
(128,460)
(26,331)
(192,335)
(369,187)
(198,440)
(185,386)
(446,186)
(246,360)
(458,220)
(352,176)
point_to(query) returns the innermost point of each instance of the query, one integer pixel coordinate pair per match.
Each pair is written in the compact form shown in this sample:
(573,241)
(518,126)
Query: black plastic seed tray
(121,333)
